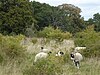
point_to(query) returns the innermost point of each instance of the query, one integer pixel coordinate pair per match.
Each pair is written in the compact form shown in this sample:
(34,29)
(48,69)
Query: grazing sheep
(79,48)
(44,50)
(59,53)
(76,57)
(41,55)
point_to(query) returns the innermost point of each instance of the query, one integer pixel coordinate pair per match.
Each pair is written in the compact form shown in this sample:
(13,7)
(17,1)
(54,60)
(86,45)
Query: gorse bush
(50,66)
(10,47)
(45,32)
(90,39)
(50,32)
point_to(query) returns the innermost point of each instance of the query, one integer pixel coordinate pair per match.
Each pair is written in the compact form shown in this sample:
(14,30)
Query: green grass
(51,66)
(89,66)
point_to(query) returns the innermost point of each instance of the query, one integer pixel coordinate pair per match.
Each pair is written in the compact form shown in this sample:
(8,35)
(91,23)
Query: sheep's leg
(35,60)
(77,64)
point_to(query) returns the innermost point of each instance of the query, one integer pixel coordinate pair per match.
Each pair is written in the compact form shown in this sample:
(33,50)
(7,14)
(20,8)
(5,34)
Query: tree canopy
(65,17)
(95,21)
(24,17)
(15,15)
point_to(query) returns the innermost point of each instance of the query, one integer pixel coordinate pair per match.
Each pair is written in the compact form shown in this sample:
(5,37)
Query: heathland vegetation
(26,26)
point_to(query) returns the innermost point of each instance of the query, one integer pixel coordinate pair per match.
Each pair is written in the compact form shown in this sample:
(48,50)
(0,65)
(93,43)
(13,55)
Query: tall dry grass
(51,66)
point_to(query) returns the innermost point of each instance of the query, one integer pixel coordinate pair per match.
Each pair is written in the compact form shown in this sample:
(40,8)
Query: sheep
(44,50)
(79,48)
(41,55)
(76,57)
(59,53)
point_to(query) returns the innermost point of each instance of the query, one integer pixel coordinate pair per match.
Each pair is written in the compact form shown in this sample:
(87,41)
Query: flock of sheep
(75,56)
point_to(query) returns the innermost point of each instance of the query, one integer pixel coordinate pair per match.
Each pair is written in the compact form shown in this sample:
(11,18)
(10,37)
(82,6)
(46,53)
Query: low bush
(90,39)
(50,66)
(10,47)
(50,32)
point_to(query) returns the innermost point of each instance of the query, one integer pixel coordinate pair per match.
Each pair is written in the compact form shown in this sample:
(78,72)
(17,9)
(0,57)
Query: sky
(88,7)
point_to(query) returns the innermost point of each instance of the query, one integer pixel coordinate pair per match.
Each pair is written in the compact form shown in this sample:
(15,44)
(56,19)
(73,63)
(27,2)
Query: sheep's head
(72,56)
(49,52)
(62,53)
(59,53)
(41,47)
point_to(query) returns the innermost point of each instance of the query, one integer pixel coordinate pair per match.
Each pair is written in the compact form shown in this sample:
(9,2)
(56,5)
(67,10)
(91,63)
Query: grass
(51,66)
(88,67)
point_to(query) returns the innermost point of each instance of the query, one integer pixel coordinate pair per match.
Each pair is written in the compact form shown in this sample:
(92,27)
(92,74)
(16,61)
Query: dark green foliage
(65,17)
(15,15)
(24,17)
(73,22)
(43,13)
(95,21)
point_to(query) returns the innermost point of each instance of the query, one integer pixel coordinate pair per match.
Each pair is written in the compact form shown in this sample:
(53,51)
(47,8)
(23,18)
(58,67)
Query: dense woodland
(22,17)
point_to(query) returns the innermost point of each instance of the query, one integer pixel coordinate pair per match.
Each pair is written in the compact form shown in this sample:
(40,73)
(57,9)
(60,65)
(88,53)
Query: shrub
(45,31)
(50,66)
(66,35)
(52,33)
(10,47)
(90,39)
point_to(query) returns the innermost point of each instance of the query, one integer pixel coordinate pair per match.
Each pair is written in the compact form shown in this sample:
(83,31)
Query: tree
(74,21)
(42,13)
(65,17)
(96,20)
(15,15)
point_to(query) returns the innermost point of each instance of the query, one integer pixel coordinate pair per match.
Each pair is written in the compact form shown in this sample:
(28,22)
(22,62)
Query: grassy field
(88,67)
(51,66)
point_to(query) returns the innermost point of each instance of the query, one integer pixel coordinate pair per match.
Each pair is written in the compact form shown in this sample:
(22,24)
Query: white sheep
(59,53)
(79,48)
(41,55)
(76,57)
(44,50)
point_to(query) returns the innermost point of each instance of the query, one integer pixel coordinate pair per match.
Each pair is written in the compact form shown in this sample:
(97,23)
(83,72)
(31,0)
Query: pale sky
(88,7)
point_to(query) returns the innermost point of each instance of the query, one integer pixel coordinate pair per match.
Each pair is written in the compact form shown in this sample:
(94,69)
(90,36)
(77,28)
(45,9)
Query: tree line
(25,17)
